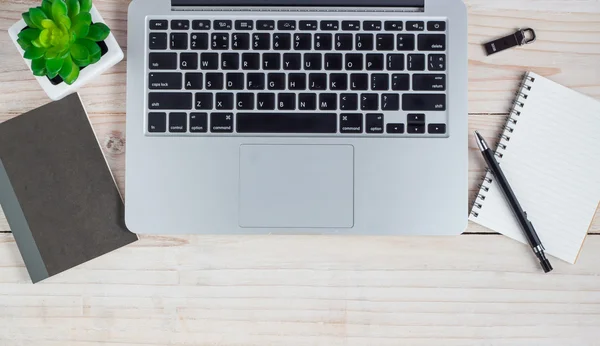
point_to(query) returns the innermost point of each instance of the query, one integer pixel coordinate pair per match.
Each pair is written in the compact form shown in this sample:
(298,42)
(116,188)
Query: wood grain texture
(278,290)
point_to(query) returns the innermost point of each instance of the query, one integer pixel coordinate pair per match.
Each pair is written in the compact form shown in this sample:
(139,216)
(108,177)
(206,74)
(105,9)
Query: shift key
(169,100)
(424,102)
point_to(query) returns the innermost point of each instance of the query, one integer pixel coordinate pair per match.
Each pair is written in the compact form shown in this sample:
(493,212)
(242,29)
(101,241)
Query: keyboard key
(323,41)
(380,81)
(437,129)
(194,81)
(235,81)
(255,81)
(390,102)
(281,122)
(199,41)
(157,122)
(338,81)
(159,25)
(276,81)
(220,41)
(351,123)
(351,25)
(286,101)
(178,122)
(416,62)
(265,101)
(374,123)
(265,24)
(330,25)
(328,102)
(214,81)
(385,42)
(432,42)
(271,61)
(159,100)
(400,82)
(188,61)
(286,25)
(224,101)
(348,102)
(359,81)
(416,129)
(364,42)
(282,41)
(436,26)
(209,61)
(261,41)
(198,122)
(395,62)
(292,61)
(250,61)
(221,122)
(375,62)
(179,41)
(415,26)
(296,81)
(245,101)
(370,25)
(437,62)
(302,41)
(230,61)
(177,24)
(394,25)
(308,25)
(423,102)
(312,61)
(157,40)
(201,25)
(240,41)
(244,25)
(344,42)
(222,24)
(395,128)
(405,42)
(415,119)
(429,82)
(369,102)
(307,102)
(164,81)
(354,62)
(334,61)
(204,101)
(317,81)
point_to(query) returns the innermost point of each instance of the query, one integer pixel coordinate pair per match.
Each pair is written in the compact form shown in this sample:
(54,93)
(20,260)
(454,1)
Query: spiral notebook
(550,153)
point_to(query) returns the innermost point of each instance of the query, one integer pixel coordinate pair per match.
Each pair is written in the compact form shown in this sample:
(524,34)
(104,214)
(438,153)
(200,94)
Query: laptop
(297,117)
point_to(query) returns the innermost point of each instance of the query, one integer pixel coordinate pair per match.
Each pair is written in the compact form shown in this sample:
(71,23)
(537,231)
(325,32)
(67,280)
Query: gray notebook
(57,191)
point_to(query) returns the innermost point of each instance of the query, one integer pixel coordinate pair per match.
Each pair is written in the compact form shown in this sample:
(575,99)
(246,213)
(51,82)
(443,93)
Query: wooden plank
(278,290)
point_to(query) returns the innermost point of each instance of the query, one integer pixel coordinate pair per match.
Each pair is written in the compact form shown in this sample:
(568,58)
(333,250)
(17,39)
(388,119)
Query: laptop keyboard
(364,77)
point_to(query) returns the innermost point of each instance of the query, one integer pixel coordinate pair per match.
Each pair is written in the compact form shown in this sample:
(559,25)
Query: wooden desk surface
(476,289)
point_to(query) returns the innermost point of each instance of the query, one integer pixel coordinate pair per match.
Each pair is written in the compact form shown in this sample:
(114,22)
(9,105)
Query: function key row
(349,123)
(305,25)
(299,41)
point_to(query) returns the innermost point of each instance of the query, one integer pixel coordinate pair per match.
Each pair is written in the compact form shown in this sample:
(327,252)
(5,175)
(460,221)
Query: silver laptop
(297,117)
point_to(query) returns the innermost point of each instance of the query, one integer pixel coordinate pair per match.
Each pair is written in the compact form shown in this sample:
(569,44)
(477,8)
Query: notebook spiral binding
(509,128)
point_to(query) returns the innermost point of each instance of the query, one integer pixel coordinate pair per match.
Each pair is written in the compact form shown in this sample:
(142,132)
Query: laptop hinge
(301,3)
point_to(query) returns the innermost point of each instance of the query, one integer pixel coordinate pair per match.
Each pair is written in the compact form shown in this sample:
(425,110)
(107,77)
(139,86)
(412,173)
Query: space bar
(286,123)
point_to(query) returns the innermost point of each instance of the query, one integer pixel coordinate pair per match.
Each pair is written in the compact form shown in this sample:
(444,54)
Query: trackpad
(296,186)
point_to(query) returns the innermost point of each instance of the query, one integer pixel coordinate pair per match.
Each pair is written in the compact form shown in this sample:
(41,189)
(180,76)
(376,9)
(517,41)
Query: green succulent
(61,39)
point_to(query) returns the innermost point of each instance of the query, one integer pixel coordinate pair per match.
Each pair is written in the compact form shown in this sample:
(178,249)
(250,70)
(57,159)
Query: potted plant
(65,43)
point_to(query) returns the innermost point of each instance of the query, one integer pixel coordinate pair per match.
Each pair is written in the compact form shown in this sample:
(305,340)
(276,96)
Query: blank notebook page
(552,161)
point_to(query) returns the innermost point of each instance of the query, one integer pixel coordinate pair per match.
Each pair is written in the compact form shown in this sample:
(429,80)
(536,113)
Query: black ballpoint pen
(521,215)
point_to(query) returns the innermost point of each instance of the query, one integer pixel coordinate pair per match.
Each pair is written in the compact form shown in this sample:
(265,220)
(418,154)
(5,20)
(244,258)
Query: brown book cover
(57,191)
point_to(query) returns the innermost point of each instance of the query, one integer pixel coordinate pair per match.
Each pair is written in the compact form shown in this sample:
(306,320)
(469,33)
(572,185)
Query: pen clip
(534,233)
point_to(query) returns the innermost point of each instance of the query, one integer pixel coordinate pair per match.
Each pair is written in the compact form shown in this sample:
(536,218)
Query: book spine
(504,141)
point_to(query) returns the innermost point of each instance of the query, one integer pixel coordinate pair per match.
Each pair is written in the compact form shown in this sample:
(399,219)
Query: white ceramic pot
(108,60)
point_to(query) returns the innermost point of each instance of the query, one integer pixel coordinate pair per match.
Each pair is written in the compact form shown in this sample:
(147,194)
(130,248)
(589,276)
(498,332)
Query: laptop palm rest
(296,186)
